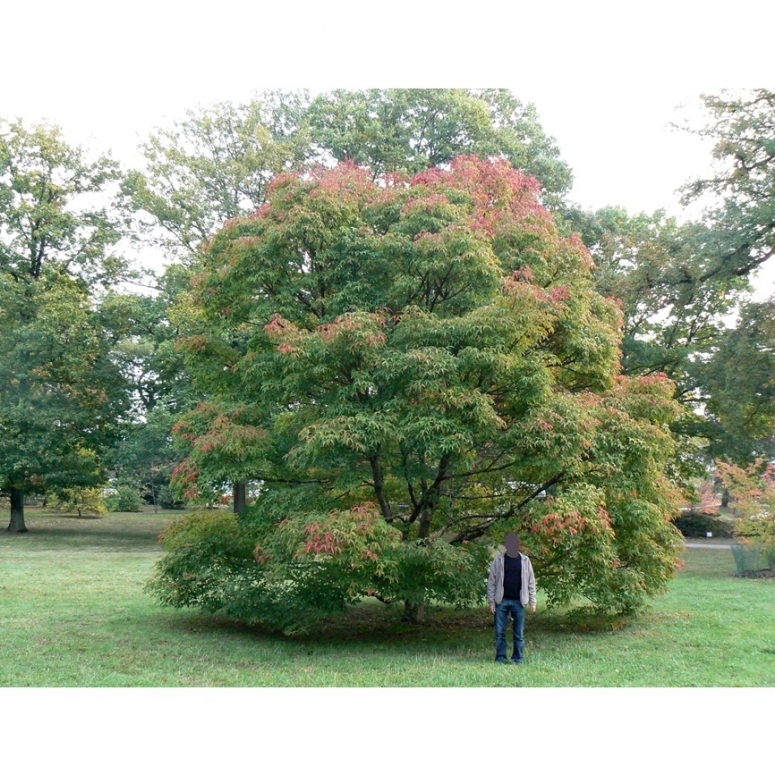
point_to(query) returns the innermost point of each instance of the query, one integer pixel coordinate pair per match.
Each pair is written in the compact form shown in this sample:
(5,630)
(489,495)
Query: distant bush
(83,501)
(694,525)
(168,499)
(124,497)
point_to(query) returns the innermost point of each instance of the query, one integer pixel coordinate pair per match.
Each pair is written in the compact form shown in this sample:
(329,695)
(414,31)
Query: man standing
(510,587)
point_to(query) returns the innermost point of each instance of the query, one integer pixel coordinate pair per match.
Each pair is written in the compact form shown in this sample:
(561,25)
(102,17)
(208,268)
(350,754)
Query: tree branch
(379,486)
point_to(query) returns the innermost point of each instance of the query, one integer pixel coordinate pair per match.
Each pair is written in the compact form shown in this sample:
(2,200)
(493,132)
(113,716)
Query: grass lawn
(73,612)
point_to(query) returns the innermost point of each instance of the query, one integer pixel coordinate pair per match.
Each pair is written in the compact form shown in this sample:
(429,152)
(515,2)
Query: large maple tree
(406,369)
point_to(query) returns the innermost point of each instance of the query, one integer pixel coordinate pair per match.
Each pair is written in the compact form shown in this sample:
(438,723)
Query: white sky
(606,78)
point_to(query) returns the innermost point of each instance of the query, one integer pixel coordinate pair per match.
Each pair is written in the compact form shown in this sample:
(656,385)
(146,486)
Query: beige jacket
(527,594)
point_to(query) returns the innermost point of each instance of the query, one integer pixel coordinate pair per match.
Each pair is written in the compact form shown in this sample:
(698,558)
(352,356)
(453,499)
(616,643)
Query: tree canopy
(403,366)
(742,190)
(218,162)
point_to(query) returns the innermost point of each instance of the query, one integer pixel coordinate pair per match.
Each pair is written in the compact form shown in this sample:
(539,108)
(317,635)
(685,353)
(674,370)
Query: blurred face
(512,544)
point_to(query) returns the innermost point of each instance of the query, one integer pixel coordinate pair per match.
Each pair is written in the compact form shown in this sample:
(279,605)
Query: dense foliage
(403,368)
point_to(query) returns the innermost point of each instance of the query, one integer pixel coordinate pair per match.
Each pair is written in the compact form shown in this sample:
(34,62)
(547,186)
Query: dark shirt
(512,577)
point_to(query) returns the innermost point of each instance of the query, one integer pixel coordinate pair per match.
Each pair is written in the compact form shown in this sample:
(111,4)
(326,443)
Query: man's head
(512,544)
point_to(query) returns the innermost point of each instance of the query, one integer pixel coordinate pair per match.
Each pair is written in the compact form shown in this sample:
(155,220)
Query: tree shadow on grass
(367,625)
(582,621)
(70,533)
(371,624)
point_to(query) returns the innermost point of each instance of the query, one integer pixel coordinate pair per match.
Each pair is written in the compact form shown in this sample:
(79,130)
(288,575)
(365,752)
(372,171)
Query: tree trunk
(240,497)
(725,498)
(17,512)
(414,612)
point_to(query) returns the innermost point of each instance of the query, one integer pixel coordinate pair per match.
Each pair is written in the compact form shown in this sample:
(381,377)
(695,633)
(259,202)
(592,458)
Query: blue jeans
(517,611)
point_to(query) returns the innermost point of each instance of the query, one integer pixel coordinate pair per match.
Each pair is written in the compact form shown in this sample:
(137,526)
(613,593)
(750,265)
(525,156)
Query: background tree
(144,348)
(404,368)
(59,392)
(410,130)
(742,190)
(741,212)
(739,380)
(214,165)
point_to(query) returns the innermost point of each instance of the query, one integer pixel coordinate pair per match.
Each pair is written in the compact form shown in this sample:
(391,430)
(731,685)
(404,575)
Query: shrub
(694,525)
(84,501)
(168,499)
(124,497)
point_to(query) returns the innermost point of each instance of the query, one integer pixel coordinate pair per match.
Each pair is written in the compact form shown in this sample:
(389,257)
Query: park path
(708,543)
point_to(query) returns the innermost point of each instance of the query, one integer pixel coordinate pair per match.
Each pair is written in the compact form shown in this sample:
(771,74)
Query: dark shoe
(516,661)
(501,661)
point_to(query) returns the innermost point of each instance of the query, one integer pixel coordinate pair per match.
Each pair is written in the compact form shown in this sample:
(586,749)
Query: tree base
(17,512)
(414,613)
